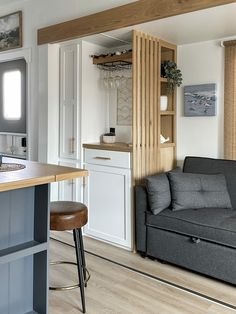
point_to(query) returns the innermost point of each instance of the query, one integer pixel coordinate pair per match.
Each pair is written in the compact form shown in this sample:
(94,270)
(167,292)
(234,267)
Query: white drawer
(107,158)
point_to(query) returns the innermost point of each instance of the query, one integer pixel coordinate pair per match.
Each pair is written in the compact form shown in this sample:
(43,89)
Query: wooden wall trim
(229,43)
(126,15)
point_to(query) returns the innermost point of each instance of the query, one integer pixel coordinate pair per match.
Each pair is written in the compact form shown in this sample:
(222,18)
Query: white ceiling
(6,2)
(204,25)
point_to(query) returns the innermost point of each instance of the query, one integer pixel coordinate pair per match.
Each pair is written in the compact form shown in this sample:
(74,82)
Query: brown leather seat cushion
(65,215)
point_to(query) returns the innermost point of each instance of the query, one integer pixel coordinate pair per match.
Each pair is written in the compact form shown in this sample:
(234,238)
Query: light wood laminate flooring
(114,289)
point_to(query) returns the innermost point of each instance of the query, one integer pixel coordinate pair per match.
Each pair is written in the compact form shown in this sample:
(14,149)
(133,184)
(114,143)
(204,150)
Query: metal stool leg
(79,266)
(82,255)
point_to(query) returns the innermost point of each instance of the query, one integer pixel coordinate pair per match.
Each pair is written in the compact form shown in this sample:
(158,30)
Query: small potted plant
(170,71)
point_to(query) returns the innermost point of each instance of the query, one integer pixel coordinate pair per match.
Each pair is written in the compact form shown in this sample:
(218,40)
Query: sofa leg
(161,261)
(143,254)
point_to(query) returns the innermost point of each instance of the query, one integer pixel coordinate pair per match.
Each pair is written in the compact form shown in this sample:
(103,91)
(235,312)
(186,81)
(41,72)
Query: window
(13,97)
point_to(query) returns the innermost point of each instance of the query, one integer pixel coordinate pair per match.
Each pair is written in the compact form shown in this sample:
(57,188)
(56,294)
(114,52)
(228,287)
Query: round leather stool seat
(65,215)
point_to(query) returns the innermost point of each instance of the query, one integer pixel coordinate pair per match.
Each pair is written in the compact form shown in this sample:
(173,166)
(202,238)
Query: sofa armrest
(141,206)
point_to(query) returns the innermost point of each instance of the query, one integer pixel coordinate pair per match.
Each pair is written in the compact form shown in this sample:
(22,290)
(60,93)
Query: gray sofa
(201,240)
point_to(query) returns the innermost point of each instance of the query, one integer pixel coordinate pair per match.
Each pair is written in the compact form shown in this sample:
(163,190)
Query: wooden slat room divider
(146,95)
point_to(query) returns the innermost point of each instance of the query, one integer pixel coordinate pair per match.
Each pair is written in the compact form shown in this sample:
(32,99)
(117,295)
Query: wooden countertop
(36,173)
(120,147)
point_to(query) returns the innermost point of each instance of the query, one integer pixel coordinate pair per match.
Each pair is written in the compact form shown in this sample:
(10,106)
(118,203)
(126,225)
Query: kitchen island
(24,233)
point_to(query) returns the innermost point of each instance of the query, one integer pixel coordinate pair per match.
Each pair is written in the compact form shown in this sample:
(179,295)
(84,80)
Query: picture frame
(200,100)
(11,31)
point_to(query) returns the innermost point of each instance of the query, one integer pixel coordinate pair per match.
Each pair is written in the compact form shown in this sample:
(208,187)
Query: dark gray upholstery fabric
(214,166)
(213,224)
(208,258)
(158,189)
(141,206)
(192,191)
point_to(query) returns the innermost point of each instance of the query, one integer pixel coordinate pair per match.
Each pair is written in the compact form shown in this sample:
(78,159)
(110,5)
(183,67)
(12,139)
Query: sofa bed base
(209,258)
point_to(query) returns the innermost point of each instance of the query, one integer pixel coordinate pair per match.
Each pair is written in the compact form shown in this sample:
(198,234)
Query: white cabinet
(108,196)
(69,120)
(70,190)
(69,102)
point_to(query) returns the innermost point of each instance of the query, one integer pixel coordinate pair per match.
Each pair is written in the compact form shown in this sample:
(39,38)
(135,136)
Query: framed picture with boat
(200,100)
(11,31)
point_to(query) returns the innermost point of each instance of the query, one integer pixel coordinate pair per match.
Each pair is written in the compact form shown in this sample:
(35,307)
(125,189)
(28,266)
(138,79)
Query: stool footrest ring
(63,288)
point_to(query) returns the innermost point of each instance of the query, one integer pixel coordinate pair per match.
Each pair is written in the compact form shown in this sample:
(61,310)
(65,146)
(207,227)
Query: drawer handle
(72,145)
(102,158)
(196,240)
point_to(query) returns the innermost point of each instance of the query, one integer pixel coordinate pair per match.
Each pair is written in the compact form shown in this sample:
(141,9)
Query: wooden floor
(114,289)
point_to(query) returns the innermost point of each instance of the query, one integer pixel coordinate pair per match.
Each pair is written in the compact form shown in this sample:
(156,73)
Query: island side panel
(41,234)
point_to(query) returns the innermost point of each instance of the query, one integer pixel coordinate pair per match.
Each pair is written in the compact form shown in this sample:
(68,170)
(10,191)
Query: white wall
(93,100)
(40,13)
(201,63)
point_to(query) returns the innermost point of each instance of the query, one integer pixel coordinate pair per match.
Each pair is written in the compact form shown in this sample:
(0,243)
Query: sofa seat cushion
(212,224)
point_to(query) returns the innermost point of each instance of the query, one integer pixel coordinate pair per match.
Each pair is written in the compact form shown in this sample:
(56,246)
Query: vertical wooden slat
(155,92)
(136,107)
(147,108)
(139,130)
(230,102)
(134,97)
(143,107)
(151,77)
(174,135)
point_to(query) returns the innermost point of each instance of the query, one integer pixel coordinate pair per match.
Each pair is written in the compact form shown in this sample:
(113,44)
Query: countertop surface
(120,147)
(35,173)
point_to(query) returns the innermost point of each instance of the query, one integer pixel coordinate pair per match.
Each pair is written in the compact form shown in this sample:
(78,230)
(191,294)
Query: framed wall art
(200,100)
(11,31)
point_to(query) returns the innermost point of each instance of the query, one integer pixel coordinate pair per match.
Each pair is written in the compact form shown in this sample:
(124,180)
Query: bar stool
(65,215)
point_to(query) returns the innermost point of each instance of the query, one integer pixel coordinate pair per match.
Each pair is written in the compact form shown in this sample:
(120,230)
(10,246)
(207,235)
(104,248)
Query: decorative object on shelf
(200,100)
(170,71)
(109,138)
(11,31)
(163,103)
(124,102)
(163,139)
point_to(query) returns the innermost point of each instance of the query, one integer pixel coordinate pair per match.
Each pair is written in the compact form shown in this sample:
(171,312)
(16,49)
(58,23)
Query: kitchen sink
(4,167)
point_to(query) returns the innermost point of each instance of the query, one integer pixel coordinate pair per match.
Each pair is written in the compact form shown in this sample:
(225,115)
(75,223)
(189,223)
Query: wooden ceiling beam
(123,16)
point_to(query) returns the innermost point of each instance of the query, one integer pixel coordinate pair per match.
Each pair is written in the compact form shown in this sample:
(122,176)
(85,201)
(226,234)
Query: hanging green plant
(170,71)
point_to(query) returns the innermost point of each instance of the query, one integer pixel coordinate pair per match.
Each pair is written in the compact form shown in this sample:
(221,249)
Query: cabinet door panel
(108,199)
(69,103)
(70,190)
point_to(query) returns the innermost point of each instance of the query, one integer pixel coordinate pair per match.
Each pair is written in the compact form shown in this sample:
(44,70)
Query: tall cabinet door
(69,102)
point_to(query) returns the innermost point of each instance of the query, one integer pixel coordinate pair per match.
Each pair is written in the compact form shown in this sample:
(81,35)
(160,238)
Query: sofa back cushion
(195,191)
(158,189)
(214,166)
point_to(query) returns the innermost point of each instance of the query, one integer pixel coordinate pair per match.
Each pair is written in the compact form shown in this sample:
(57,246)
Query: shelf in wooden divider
(165,145)
(125,57)
(167,113)
(163,80)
